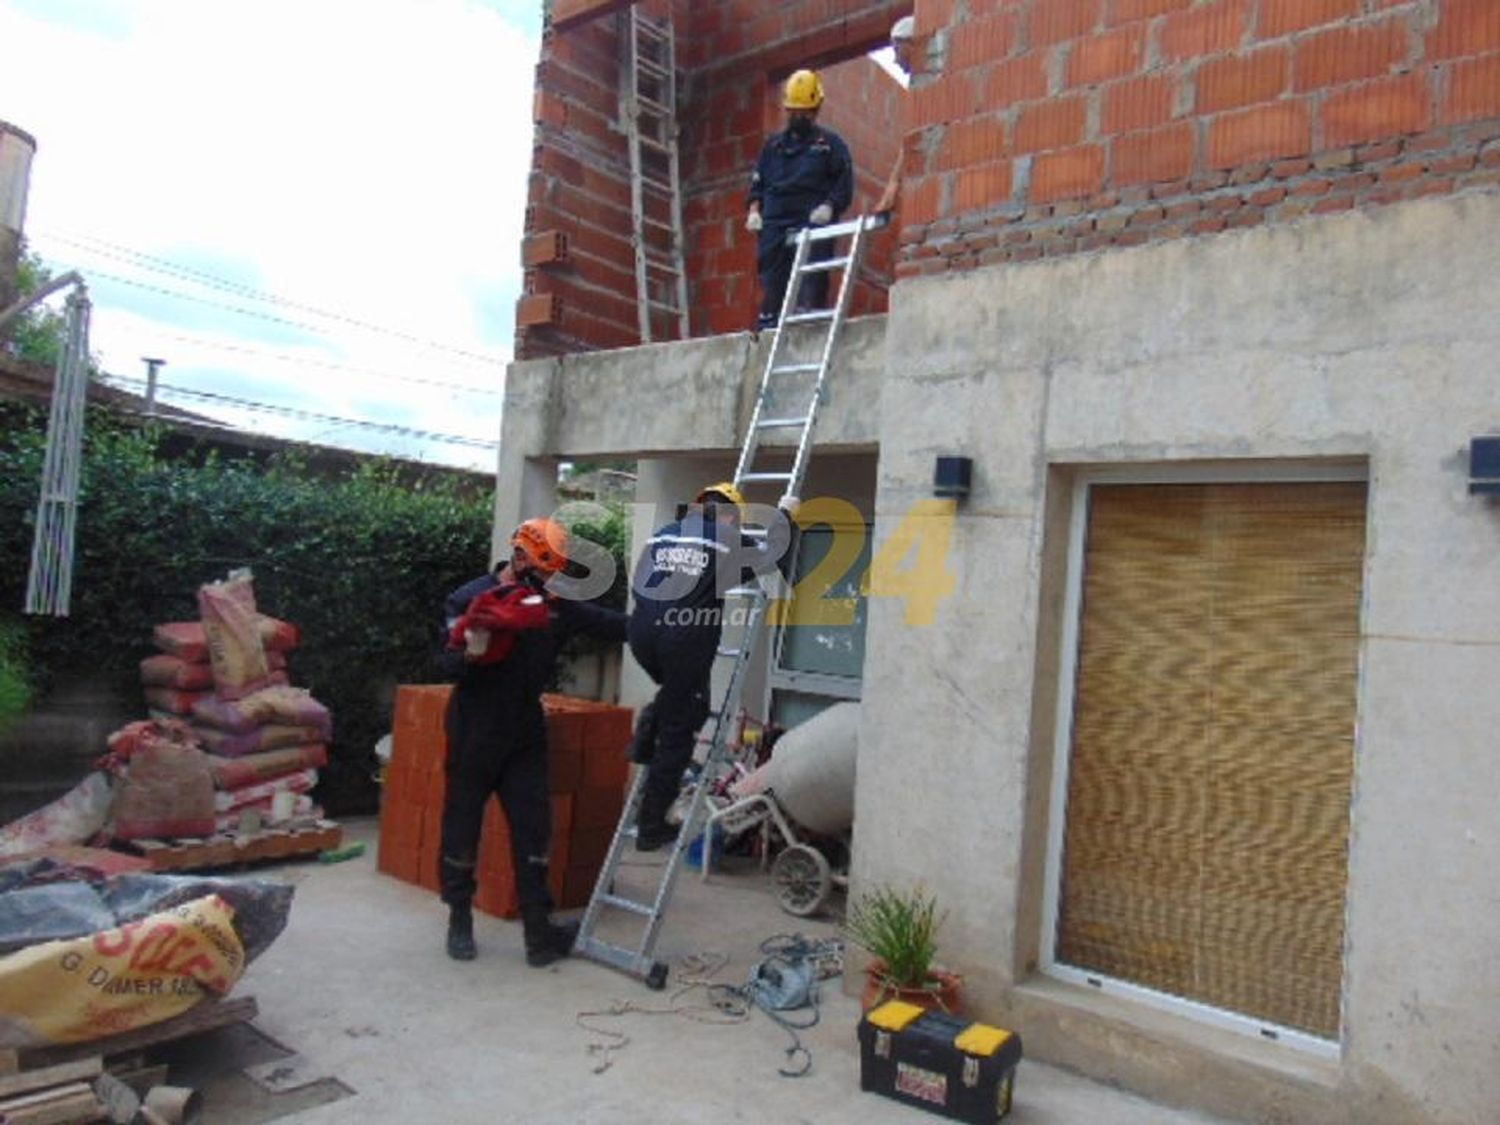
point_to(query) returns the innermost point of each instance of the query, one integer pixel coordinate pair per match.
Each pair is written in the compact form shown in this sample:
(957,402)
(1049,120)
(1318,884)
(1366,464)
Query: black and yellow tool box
(963,1070)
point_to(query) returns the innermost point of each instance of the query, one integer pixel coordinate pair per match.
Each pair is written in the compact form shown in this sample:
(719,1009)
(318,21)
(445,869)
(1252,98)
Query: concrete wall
(1368,337)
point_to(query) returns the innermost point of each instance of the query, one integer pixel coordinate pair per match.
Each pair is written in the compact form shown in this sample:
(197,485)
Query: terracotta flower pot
(941,993)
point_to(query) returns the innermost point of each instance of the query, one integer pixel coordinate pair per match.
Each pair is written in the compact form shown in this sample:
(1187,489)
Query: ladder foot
(656,979)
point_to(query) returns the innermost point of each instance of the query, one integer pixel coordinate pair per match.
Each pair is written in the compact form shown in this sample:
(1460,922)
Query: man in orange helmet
(503,632)
(804,177)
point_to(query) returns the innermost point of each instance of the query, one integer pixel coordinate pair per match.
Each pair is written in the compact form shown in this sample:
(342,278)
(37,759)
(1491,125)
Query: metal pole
(152,366)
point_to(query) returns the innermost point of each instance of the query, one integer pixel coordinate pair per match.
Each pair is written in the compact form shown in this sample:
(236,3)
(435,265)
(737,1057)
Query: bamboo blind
(1209,783)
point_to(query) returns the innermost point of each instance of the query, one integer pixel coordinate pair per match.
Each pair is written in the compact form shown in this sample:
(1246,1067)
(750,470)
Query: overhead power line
(463,388)
(103,247)
(308,415)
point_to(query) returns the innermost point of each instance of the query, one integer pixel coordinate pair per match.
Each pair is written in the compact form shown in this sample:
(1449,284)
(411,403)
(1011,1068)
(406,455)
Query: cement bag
(270,737)
(235,773)
(71,819)
(288,706)
(811,771)
(172,701)
(166,671)
(129,977)
(187,641)
(231,800)
(167,791)
(232,628)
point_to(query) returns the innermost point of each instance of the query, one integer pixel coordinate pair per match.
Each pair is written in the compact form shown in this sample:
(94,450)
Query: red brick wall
(734,52)
(1048,127)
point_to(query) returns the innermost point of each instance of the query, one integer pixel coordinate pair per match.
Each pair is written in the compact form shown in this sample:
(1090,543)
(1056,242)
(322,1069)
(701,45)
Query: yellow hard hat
(804,90)
(725,489)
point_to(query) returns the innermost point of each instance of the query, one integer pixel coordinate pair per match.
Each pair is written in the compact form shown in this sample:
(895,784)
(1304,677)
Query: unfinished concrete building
(1185,712)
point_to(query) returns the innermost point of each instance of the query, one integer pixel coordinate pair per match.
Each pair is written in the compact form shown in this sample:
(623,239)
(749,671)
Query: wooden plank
(78,1107)
(205,1017)
(28,1080)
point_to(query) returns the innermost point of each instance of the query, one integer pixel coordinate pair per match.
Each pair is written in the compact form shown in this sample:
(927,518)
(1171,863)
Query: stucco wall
(1367,337)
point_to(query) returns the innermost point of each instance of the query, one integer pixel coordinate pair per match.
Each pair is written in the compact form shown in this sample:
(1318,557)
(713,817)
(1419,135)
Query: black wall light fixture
(951,476)
(1484,464)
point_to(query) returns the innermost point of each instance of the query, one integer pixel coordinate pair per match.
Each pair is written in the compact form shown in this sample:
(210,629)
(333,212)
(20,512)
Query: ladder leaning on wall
(791,392)
(648,111)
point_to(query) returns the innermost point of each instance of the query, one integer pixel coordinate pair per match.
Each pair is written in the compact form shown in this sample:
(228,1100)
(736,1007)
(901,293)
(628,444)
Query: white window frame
(1280,472)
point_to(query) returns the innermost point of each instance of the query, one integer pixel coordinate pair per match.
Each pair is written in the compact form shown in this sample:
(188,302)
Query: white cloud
(363,158)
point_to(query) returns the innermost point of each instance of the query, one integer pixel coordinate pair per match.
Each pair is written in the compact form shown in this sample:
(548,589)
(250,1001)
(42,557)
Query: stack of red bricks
(587,773)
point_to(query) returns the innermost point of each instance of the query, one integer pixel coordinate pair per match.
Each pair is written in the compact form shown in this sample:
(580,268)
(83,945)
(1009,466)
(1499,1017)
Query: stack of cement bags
(225,676)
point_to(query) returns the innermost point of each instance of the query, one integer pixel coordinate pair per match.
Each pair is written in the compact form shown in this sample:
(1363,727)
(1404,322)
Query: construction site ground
(363,1019)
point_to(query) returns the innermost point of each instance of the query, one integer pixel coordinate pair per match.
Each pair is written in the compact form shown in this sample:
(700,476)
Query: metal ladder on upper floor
(648,110)
(771,413)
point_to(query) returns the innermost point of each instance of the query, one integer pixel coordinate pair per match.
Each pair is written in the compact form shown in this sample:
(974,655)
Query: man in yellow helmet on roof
(804,177)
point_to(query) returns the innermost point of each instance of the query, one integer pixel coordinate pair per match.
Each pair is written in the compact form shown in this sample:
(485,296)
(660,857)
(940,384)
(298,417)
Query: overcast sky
(364,158)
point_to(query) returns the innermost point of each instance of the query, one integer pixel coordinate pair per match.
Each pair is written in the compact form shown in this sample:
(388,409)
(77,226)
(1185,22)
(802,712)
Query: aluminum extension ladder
(648,110)
(638,960)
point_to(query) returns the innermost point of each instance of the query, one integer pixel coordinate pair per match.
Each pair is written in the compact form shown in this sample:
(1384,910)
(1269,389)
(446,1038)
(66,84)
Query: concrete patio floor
(359,988)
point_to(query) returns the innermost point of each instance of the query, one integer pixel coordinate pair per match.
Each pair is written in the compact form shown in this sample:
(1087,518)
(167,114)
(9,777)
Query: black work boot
(546,942)
(651,835)
(461,933)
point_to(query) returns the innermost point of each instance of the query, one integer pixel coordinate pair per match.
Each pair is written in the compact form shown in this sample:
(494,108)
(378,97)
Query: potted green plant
(899,930)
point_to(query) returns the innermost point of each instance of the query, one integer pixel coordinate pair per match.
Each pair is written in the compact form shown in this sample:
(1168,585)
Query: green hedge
(361,563)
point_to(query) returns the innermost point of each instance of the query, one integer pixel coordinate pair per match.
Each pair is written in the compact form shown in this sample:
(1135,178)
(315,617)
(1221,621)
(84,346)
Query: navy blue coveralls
(675,624)
(794,175)
(497,743)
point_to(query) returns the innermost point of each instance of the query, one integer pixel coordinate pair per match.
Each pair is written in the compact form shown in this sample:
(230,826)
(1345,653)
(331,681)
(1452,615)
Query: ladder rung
(824,267)
(657,185)
(652,142)
(795,368)
(663,306)
(653,105)
(751,478)
(651,29)
(657,223)
(835,230)
(629,904)
(745,592)
(810,317)
(731,652)
(664,267)
(610,954)
(644,63)
(780,423)
(754,532)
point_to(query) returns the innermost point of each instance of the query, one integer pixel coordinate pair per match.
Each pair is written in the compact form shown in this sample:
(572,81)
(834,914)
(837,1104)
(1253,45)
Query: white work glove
(753,222)
(476,642)
(821,215)
(789,504)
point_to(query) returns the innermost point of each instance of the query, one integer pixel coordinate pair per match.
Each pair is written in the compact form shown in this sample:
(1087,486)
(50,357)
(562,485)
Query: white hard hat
(904,28)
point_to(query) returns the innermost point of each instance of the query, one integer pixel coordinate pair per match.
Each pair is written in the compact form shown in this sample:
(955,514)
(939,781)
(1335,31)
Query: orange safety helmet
(804,90)
(544,542)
